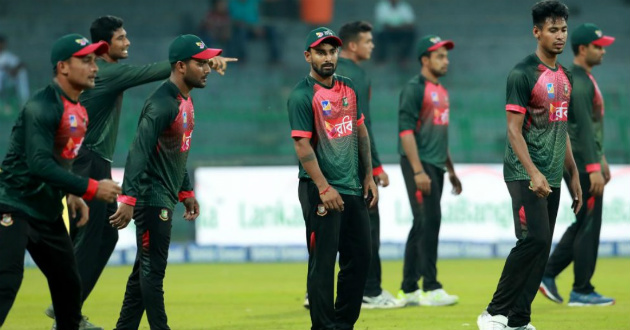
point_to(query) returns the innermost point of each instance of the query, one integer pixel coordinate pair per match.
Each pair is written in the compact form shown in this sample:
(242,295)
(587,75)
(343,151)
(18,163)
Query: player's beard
(324,73)
(438,73)
(194,82)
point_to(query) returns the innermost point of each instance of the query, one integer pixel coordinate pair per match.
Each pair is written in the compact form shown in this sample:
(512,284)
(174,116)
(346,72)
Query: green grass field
(269,296)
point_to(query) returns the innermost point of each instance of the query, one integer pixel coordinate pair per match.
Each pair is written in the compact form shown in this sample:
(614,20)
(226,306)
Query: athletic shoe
(50,312)
(483,319)
(591,299)
(548,289)
(382,301)
(438,297)
(487,322)
(83,325)
(306,304)
(411,298)
(525,327)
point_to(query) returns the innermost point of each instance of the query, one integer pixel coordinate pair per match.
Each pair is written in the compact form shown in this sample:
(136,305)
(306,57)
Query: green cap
(75,45)
(432,42)
(589,33)
(315,37)
(190,46)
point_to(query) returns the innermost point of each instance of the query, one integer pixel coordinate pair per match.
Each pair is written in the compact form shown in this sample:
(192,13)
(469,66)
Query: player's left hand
(382,179)
(122,217)
(457,185)
(76,203)
(192,208)
(576,193)
(220,63)
(369,186)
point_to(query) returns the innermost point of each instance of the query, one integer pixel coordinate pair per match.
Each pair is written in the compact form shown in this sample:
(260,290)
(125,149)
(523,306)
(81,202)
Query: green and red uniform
(330,117)
(350,69)
(34,178)
(542,94)
(155,179)
(424,112)
(580,242)
(95,242)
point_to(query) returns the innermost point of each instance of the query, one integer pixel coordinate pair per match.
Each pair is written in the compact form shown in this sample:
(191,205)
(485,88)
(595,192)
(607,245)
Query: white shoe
(306,304)
(411,298)
(496,322)
(483,319)
(382,301)
(438,297)
(529,326)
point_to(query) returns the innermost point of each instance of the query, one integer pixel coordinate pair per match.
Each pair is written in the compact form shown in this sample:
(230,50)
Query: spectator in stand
(394,20)
(14,90)
(216,28)
(246,25)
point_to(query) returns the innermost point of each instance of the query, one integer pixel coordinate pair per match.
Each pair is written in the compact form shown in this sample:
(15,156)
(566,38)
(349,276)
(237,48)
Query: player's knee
(539,242)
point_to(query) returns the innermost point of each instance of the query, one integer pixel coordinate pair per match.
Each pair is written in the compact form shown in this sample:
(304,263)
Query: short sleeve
(410,105)
(518,92)
(300,115)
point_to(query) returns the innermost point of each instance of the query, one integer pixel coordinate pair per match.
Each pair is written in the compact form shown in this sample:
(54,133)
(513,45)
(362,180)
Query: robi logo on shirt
(558,111)
(440,116)
(186,141)
(71,150)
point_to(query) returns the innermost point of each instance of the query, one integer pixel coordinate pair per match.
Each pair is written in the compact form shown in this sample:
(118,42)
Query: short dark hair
(103,28)
(549,9)
(350,31)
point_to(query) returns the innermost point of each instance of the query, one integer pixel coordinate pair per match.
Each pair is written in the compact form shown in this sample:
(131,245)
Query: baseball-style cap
(315,37)
(75,45)
(190,46)
(432,42)
(589,33)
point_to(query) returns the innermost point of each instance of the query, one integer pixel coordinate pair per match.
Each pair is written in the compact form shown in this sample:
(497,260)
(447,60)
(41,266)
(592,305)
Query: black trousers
(145,284)
(51,249)
(373,283)
(422,243)
(94,242)
(580,242)
(534,221)
(329,232)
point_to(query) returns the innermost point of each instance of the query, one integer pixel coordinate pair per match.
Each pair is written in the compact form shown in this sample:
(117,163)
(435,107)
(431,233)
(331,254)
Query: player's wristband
(325,190)
(417,173)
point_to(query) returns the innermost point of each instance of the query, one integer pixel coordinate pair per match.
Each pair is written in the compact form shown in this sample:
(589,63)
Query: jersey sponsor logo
(338,127)
(186,141)
(164,214)
(7,220)
(71,150)
(321,210)
(344,101)
(185,119)
(73,122)
(435,98)
(558,111)
(550,91)
(326,108)
(440,116)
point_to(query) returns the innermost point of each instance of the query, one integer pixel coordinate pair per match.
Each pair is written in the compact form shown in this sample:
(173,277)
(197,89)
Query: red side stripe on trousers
(145,241)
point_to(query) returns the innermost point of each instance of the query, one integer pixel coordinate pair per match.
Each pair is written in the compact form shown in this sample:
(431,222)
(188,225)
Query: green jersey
(542,94)
(104,101)
(586,121)
(424,112)
(35,175)
(329,117)
(155,172)
(363,85)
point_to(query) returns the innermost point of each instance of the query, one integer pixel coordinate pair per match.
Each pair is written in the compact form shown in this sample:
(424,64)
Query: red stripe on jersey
(596,167)
(515,108)
(406,132)
(304,134)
